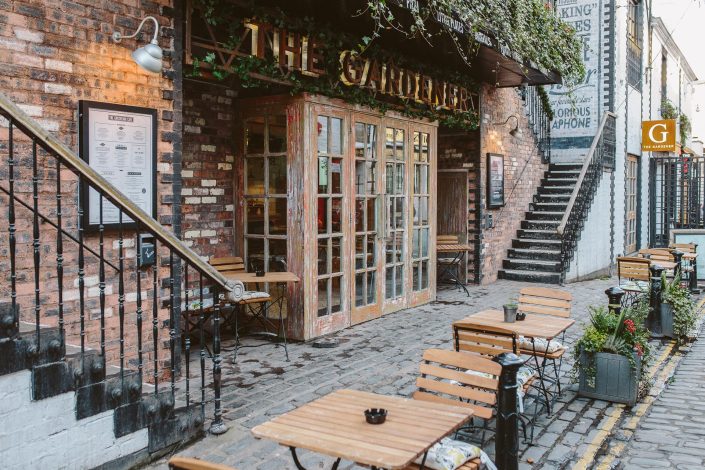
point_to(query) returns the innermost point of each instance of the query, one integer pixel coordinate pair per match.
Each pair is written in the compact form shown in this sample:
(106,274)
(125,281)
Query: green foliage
(684,124)
(528,29)
(684,314)
(622,334)
(545,102)
(669,111)
(249,70)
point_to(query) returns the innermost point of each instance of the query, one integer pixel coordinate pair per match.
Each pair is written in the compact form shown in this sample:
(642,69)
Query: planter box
(663,327)
(615,380)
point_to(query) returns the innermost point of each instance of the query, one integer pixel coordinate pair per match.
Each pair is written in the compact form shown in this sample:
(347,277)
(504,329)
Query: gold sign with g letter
(658,136)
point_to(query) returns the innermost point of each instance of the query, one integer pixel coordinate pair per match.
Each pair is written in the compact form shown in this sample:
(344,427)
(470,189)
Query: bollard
(653,322)
(678,258)
(507,435)
(694,272)
(614,296)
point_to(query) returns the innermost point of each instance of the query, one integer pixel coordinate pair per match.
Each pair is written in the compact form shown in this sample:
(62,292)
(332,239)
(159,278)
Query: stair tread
(537,250)
(526,272)
(535,261)
(539,240)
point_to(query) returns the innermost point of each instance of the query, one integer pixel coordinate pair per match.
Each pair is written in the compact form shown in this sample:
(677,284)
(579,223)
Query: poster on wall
(576,108)
(120,143)
(495,180)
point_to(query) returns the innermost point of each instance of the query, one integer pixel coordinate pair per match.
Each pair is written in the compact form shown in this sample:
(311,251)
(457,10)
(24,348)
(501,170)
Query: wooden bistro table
(335,425)
(459,250)
(274,277)
(534,326)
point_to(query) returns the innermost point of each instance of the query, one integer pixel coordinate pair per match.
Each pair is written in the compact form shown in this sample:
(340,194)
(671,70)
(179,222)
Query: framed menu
(495,180)
(120,143)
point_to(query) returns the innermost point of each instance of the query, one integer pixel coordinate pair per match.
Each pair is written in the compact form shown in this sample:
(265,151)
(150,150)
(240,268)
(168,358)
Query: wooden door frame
(465,238)
(631,159)
(371,311)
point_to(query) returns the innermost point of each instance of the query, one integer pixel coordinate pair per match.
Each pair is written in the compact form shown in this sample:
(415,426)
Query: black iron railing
(600,157)
(63,276)
(539,120)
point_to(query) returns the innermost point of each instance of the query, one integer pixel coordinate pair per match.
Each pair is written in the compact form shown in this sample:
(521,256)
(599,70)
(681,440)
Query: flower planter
(662,326)
(615,380)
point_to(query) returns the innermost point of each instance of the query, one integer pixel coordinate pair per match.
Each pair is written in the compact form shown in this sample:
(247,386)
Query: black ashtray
(259,273)
(376,415)
(521,316)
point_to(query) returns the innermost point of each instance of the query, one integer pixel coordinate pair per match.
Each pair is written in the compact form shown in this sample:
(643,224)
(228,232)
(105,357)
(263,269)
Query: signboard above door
(658,136)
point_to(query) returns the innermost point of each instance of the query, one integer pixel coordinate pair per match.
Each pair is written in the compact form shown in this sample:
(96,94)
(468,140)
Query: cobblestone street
(383,356)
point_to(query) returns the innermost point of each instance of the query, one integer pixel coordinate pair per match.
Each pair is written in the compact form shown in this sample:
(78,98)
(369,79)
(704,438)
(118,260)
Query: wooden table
(335,426)
(534,326)
(460,250)
(667,265)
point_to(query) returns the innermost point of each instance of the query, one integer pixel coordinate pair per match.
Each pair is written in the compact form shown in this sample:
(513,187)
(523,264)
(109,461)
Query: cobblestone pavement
(383,356)
(672,435)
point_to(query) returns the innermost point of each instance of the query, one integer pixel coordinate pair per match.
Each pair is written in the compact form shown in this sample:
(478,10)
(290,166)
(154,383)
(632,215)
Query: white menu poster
(119,144)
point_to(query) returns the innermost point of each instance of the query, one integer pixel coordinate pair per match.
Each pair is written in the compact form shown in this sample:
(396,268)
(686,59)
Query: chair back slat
(633,268)
(447,239)
(485,341)
(661,254)
(228,264)
(444,378)
(684,247)
(186,463)
(545,301)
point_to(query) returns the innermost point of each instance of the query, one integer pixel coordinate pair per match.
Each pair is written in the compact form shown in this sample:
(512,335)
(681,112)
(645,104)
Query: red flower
(639,349)
(630,325)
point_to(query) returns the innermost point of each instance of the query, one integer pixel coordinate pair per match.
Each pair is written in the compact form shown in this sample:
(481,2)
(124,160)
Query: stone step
(544,215)
(529,276)
(558,182)
(534,253)
(546,266)
(536,243)
(565,167)
(559,206)
(543,225)
(574,174)
(543,190)
(538,234)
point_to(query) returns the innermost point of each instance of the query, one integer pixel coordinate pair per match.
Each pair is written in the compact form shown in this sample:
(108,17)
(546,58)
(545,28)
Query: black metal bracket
(301,467)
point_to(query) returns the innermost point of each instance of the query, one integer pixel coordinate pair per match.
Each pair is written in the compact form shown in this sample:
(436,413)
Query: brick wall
(54,53)
(523,171)
(208,176)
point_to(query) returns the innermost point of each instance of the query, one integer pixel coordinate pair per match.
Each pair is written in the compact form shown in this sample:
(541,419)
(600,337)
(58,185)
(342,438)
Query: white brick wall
(45,433)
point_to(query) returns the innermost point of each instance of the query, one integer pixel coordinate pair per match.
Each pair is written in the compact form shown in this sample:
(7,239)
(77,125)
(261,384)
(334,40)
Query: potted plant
(510,311)
(677,313)
(611,354)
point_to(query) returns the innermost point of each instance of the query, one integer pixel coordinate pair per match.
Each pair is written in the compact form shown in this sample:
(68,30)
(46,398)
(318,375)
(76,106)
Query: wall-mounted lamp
(148,57)
(515,132)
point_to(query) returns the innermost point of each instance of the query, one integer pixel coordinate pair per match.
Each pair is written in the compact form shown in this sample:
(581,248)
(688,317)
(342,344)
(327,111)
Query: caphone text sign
(658,136)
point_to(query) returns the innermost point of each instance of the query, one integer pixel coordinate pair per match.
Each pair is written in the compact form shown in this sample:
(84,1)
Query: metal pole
(614,296)
(653,322)
(507,436)
(678,257)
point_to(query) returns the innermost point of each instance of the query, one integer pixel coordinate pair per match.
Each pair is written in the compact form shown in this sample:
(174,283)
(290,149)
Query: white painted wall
(593,253)
(45,434)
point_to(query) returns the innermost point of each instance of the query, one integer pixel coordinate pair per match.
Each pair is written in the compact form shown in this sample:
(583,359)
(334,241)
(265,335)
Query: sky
(685,20)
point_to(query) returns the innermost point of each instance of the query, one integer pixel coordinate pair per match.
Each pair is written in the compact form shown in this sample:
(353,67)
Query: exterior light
(148,57)
(515,132)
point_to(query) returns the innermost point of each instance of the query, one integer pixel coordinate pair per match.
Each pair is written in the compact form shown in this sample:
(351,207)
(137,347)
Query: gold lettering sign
(388,79)
(658,136)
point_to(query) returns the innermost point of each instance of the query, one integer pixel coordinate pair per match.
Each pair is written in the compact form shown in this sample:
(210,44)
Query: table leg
(301,467)
(457,259)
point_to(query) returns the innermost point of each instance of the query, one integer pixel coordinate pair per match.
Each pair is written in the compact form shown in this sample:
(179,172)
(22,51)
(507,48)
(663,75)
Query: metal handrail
(583,171)
(53,145)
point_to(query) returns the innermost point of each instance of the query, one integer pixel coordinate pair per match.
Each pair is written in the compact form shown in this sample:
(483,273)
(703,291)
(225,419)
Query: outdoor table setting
(538,330)
(459,251)
(348,425)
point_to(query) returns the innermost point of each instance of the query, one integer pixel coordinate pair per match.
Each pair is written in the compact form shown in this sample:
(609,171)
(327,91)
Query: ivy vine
(669,111)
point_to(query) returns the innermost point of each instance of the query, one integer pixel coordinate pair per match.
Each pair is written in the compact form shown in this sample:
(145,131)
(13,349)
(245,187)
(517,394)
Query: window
(395,246)
(421,228)
(329,214)
(265,193)
(634,43)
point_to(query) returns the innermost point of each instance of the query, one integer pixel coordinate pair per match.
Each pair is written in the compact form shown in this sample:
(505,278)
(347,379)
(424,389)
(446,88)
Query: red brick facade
(53,54)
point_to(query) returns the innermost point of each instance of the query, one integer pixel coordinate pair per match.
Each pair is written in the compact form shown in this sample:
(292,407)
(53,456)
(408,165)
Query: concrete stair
(536,252)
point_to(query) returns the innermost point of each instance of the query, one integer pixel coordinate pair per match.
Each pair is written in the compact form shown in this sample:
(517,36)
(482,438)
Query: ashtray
(376,415)
(259,273)
(521,316)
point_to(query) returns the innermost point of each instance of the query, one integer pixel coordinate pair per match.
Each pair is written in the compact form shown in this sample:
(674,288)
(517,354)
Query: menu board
(119,142)
(495,180)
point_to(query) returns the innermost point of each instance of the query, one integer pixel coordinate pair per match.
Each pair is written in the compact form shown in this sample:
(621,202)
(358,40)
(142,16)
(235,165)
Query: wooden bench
(185,463)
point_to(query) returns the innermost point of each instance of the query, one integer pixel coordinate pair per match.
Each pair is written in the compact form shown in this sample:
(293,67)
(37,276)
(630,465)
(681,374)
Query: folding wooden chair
(553,302)
(185,463)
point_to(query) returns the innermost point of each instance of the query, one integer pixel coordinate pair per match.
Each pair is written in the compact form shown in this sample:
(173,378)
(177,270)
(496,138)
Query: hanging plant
(669,111)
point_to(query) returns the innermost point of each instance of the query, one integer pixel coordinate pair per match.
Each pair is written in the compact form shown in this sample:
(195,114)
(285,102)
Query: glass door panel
(330,214)
(395,212)
(420,258)
(366,188)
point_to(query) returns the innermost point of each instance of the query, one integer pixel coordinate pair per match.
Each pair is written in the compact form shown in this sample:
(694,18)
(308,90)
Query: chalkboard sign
(120,143)
(495,180)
